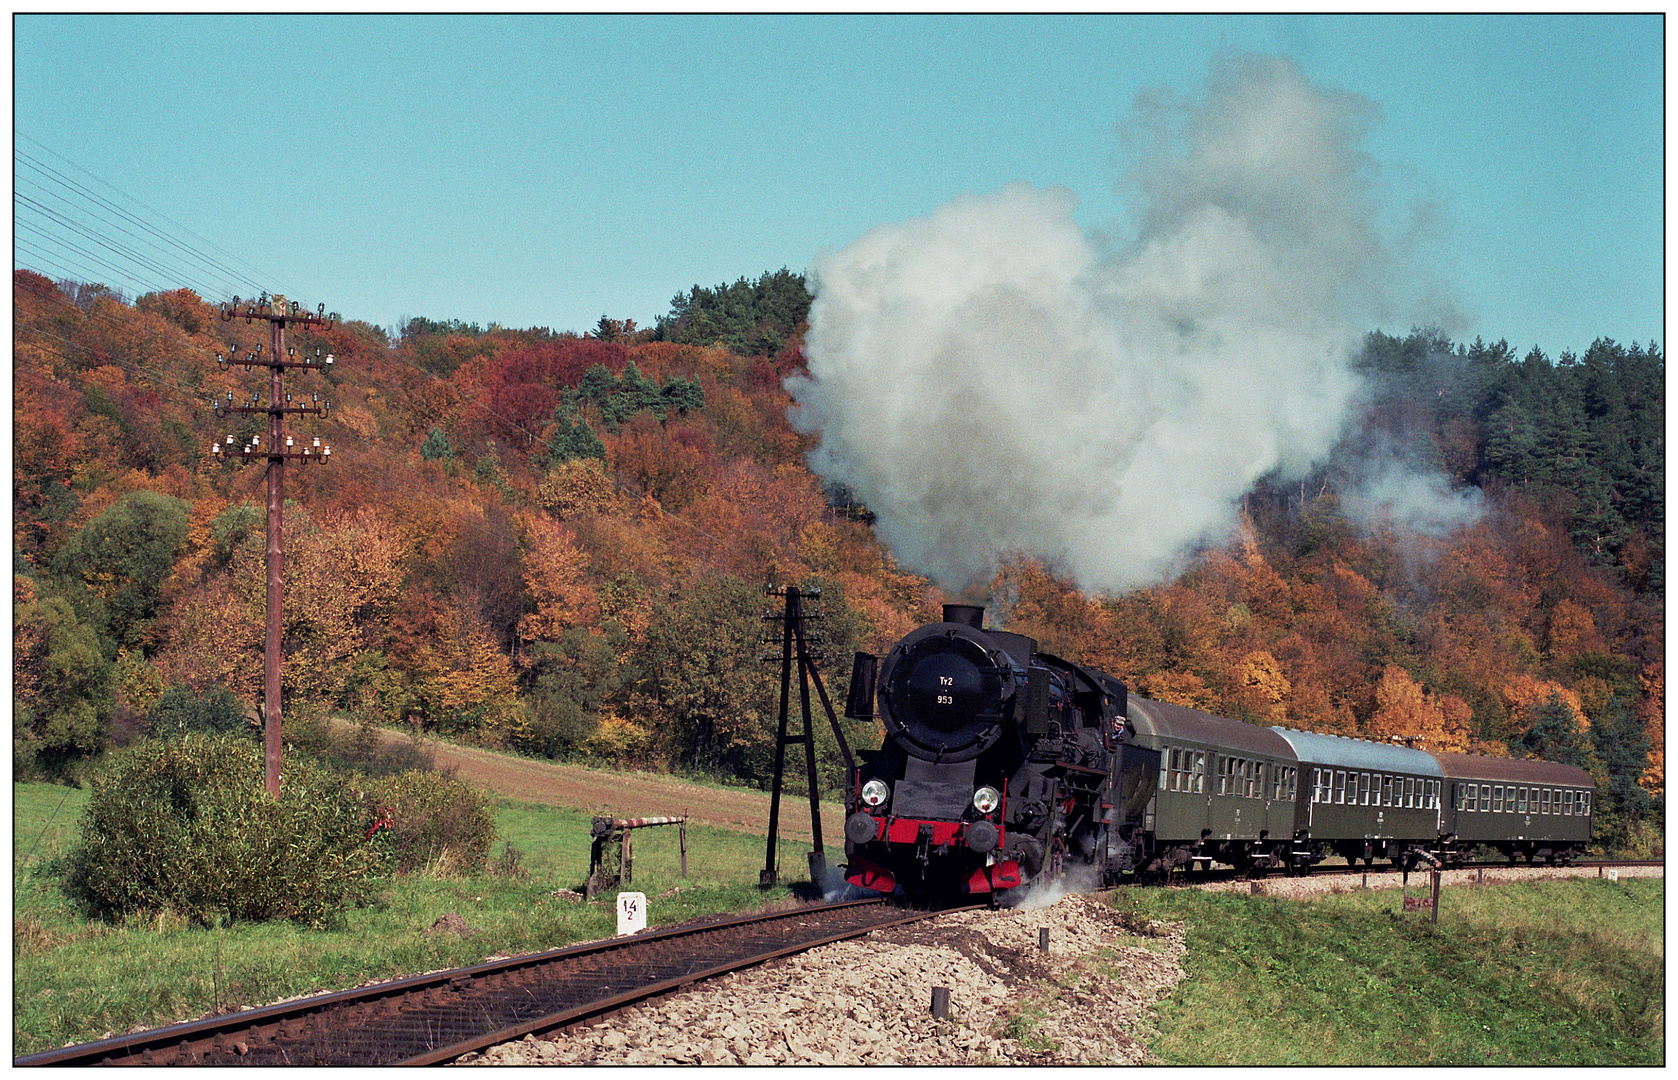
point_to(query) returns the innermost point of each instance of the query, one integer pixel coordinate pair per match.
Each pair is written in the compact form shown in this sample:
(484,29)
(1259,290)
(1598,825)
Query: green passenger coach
(1364,800)
(1225,792)
(1527,809)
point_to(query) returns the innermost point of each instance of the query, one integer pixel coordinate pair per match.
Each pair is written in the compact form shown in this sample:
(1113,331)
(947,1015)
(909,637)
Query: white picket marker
(632,913)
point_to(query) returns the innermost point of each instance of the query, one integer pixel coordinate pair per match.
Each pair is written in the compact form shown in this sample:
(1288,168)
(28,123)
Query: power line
(95,228)
(65,181)
(192,259)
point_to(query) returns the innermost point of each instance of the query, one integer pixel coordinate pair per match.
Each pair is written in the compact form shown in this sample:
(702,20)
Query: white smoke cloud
(991,380)
(1391,494)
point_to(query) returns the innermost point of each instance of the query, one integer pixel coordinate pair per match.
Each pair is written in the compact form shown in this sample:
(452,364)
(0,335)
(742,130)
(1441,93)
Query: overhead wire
(209,263)
(74,216)
(186,261)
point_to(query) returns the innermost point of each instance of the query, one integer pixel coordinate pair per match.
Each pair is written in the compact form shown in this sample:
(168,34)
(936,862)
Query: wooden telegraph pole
(277,312)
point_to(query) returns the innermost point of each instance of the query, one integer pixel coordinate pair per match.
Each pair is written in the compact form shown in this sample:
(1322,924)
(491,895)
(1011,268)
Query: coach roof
(1160,720)
(1343,753)
(1474,767)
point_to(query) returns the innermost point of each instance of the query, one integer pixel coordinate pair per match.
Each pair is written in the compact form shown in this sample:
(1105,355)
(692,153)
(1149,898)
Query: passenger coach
(1364,800)
(1227,791)
(1524,809)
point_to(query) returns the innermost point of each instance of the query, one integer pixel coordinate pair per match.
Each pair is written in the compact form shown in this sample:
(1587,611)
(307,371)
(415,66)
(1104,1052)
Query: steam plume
(991,379)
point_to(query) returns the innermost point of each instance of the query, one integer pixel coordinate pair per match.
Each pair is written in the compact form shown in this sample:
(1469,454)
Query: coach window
(1485,797)
(1544,801)
(1433,794)
(1584,802)
(1521,802)
(1255,779)
(1497,798)
(1469,801)
(1197,773)
(1566,803)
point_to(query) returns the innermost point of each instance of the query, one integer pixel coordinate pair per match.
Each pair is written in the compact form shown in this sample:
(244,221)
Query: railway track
(432,1019)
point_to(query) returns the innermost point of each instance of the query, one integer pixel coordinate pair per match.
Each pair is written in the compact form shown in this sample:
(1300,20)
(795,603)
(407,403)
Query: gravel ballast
(868,1001)
(1088,1000)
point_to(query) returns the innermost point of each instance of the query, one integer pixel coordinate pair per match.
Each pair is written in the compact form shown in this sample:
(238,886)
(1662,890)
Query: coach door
(1136,782)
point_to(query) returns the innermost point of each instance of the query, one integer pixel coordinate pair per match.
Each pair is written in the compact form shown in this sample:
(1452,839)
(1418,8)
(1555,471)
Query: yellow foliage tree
(1572,631)
(575,487)
(1524,693)
(1264,687)
(1404,708)
(557,574)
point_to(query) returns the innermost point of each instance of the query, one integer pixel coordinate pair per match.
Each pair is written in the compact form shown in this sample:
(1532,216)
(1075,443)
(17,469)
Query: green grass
(76,980)
(1553,973)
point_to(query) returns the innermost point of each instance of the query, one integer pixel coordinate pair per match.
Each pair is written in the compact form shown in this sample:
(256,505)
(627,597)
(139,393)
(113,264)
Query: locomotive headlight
(875,792)
(986,799)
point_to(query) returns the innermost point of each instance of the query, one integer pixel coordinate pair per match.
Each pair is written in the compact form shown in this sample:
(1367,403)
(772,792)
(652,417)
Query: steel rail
(573,1017)
(364,1013)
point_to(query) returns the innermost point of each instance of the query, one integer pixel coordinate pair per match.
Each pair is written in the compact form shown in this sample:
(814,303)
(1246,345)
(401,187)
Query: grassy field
(1562,973)
(76,980)
(1555,973)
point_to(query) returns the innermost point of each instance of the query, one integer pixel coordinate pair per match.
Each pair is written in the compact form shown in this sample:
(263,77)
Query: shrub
(185,825)
(433,823)
(181,709)
(359,749)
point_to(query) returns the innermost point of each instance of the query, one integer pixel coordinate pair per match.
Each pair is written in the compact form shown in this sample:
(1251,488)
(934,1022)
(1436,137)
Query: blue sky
(547,170)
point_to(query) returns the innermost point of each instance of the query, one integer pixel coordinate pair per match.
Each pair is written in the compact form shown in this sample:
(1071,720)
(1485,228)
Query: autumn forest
(557,544)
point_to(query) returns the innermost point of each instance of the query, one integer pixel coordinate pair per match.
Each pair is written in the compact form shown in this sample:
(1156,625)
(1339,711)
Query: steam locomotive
(1003,766)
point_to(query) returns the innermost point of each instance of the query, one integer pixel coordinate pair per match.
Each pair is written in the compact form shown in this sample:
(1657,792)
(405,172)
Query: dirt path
(628,794)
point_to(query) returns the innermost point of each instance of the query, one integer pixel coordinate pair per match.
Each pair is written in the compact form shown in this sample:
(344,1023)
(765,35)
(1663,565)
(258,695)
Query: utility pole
(277,312)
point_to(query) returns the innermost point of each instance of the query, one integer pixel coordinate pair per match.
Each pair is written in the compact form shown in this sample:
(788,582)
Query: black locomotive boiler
(1003,766)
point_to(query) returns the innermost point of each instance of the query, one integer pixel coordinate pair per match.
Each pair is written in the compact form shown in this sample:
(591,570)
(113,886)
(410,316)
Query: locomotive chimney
(966,614)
